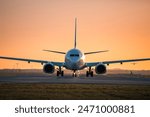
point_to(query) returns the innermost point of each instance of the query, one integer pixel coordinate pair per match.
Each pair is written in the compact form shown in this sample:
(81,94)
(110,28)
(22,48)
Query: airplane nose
(75,61)
(75,64)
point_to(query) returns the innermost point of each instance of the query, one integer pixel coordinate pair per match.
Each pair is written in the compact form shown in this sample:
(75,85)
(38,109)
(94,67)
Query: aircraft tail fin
(75,39)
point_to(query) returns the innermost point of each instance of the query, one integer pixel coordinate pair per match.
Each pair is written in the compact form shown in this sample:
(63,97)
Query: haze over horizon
(29,26)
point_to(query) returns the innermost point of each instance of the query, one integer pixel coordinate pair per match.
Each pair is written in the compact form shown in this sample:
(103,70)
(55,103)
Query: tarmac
(68,79)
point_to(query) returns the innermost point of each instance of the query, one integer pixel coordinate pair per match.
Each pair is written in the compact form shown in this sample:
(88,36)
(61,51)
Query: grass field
(72,91)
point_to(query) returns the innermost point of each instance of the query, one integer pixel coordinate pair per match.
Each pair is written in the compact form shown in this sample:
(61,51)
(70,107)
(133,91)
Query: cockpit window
(73,55)
(76,55)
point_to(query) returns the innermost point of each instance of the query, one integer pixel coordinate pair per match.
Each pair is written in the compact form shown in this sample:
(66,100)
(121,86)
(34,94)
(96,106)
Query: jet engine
(49,68)
(100,69)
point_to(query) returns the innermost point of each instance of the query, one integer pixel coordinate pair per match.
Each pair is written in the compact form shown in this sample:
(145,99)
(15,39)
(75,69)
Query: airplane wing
(91,64)
(33,60)
(96,52)
(123,61)
(55,51)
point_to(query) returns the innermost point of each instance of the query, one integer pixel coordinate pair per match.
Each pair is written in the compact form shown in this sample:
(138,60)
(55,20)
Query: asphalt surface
(68,79)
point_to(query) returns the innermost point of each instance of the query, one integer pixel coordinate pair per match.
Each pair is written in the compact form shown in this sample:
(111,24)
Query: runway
(97,79)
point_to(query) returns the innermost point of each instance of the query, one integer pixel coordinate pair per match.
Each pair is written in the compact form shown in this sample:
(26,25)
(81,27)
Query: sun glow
(29,26)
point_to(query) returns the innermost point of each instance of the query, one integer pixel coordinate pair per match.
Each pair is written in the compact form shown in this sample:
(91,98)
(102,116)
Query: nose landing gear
(75,74)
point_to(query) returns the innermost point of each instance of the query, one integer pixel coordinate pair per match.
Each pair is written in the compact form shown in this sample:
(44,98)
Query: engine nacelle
(49,68)
(100,69)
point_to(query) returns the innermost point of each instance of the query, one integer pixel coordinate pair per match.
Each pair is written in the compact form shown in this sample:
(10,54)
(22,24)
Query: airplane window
(77,55)
(72,55)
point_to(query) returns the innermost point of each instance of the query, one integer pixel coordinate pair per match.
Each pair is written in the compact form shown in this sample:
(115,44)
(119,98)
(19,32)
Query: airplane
(75,61)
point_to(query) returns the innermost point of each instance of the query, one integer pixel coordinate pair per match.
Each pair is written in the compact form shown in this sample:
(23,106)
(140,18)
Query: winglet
(75,39)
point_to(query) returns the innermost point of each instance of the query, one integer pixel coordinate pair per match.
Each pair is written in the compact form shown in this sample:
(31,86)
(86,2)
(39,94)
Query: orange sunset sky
(29,26)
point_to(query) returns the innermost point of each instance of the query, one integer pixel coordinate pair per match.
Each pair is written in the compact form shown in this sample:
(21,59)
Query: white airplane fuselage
(75,60)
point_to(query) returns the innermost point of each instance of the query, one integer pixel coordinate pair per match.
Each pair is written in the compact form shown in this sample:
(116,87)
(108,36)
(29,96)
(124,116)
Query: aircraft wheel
(74,75)
(91,73)
(62,73)
(57,73)
(87,74)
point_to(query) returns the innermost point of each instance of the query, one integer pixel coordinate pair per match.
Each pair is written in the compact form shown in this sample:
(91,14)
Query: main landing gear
(89,73)
(60,72)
